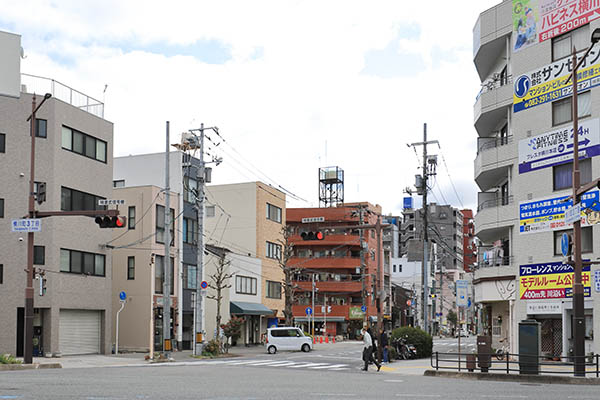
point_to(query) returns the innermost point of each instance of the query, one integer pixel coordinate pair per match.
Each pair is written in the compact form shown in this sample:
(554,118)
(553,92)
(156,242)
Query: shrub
(417,337)
(211,349)
(392,353)
(8,359)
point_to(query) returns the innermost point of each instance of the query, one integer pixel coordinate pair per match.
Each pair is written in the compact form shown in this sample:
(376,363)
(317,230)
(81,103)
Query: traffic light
(317,235)
(111,222)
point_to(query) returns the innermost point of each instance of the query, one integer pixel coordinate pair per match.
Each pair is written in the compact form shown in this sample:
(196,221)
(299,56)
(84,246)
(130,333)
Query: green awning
(244,308)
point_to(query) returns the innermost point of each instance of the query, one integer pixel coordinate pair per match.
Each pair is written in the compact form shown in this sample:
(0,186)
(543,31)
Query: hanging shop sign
(549,214)
(550,281)
(549,83)
(556,147)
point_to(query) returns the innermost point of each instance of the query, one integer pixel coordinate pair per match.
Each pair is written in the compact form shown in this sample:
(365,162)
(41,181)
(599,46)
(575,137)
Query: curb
(23,367)
(555,379)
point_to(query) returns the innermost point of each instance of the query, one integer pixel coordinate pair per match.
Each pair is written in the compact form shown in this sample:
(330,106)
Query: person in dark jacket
(383,342)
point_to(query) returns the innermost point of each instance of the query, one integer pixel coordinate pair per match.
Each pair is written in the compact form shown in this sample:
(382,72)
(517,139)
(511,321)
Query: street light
(578,292)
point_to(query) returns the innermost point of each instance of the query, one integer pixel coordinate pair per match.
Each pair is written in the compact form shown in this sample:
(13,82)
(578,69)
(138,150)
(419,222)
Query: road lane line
(330,366)
(307,365)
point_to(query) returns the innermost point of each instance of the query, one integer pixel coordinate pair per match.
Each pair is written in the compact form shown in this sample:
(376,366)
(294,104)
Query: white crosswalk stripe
(278,364)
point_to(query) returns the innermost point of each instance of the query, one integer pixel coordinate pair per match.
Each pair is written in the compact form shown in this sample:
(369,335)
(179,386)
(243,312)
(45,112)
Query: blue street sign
(204,285)
(363,309)
(122,295)
(469,303)
(308,311)
(564,244)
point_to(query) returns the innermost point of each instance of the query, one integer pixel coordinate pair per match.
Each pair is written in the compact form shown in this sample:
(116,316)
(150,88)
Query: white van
(287,338)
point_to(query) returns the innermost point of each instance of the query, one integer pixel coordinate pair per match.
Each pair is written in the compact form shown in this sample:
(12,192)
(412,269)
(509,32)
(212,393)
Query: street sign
(204,285)
(597,280)
(573,214)
(308,311)
(462,292)
(122,296)
(363,309)
(469,303)
(110,202)
(27,225)
(565,244)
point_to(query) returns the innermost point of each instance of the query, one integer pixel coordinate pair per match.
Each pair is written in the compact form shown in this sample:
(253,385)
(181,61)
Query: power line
(449,177)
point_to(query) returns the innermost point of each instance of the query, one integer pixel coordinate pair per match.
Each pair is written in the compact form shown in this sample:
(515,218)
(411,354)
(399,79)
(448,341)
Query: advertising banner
(356,313)
(525,17)
(550,281)
(556,147)
(549,83)
(549,215)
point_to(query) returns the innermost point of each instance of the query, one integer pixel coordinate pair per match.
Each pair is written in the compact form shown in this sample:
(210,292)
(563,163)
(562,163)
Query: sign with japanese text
(110,202)
(550,281)
(26,225)
(556,147)
(355,313)
(462,293)
(535,307)
(535,21)
(549,215)
(313,219)
(597,280)
(549,83)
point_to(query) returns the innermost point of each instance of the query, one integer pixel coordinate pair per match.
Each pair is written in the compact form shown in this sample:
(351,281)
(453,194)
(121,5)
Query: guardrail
(513,363)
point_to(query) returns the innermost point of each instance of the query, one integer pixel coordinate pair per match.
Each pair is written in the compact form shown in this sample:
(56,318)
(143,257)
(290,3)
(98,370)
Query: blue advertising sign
(549,214)
(408,203)
(556,147)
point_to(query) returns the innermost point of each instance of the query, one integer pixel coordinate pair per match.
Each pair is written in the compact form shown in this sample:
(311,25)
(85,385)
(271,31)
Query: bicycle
(502,352)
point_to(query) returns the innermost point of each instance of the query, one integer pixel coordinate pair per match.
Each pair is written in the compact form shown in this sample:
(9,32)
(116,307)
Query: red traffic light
(318,235)
(111,222)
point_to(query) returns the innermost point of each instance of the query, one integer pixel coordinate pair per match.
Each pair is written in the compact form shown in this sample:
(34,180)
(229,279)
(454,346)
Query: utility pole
(379,286)
(423,189)
(198,329)
(313,305)
(362,261)
(167,259)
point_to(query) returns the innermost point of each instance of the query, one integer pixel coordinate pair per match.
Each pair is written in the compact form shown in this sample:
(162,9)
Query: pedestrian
(383,342)
(374,340)
(368,350)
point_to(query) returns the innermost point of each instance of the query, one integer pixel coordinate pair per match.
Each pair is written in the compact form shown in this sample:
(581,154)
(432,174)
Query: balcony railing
(492,143)
(41,85)
(494,83)
(496,202)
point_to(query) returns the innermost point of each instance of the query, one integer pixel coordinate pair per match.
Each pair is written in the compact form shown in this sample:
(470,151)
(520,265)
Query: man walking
(368,350)
(383,342)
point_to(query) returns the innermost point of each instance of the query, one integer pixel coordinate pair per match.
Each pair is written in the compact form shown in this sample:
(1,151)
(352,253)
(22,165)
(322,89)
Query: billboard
(556,147)
(408,203)
(549,83)
(549,214)
(10,67)
(535,21)
(552,280)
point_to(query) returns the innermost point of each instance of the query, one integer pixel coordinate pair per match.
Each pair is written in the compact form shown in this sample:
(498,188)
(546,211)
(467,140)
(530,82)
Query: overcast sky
(291,85)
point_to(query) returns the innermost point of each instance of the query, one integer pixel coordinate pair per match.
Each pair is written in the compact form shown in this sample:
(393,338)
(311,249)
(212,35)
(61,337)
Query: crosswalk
(319,366)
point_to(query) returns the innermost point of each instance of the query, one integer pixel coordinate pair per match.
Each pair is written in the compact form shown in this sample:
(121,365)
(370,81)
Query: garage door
(79,332)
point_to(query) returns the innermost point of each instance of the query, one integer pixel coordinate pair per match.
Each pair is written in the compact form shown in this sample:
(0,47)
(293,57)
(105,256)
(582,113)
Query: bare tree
(218,282)
(289,288)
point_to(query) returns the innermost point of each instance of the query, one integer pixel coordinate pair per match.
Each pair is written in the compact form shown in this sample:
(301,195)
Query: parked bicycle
(502,352)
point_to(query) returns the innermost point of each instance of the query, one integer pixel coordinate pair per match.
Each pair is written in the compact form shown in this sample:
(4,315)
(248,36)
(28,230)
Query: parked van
(287,338)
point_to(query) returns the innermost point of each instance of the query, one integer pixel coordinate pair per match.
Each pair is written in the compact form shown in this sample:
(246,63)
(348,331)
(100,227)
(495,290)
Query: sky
(292,85)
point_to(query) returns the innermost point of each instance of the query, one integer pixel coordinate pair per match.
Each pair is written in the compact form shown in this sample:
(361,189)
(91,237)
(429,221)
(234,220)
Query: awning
(244,308)
(320,319)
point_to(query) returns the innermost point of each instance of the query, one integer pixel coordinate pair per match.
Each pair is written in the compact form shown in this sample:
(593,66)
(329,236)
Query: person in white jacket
(368,350)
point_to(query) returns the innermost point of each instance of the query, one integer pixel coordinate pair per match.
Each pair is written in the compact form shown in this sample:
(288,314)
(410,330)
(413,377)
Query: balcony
(494,158)
(325,262)
(490,33)
(338,312)
(492,105)
(347,286)
(495,214)
(330,240)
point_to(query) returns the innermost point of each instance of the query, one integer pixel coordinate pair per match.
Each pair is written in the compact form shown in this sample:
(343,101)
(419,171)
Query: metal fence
(495,202)
(41,85)
(510,363)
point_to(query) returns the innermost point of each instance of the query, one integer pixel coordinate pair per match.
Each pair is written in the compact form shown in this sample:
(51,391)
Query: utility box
(484,352)
(530,346)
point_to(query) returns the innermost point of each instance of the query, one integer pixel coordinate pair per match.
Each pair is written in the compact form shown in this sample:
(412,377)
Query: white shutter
(79,332)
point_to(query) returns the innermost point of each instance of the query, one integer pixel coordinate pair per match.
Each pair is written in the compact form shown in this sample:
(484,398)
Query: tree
(288,286)
(452,318)
(218,282)
(233,329)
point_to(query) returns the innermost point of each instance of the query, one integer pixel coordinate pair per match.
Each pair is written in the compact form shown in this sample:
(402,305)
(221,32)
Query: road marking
(261,363)
(499,396)
(417,395)
(330,366)
(333,394)
(394,380)
(307,365)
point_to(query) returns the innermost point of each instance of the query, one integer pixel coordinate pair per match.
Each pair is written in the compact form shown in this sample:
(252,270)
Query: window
(273,213)
(562,110)
(245,285)
(79,262)
(39,255)
(119,183)
(562,46)
(83,144)
(160,224)
(504,76)
(190,189)
(563,174)
(41,126)
(1,208)
(394,267)
(503,136)
(586,240)
(190,231)
(504,194)
(273,251)
(159,274)
(2,142)
(210,211)
(130,268)
(131,217)
(273,290)
(189,276)
(399,267)
(74,200)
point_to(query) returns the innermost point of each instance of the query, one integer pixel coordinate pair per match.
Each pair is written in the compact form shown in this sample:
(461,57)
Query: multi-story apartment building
(523,168)
(335,263)
(138,260)
(249,219)
(74,159)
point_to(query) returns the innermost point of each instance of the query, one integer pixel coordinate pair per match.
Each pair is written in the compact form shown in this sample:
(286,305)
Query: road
(450,345)
(327,373)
